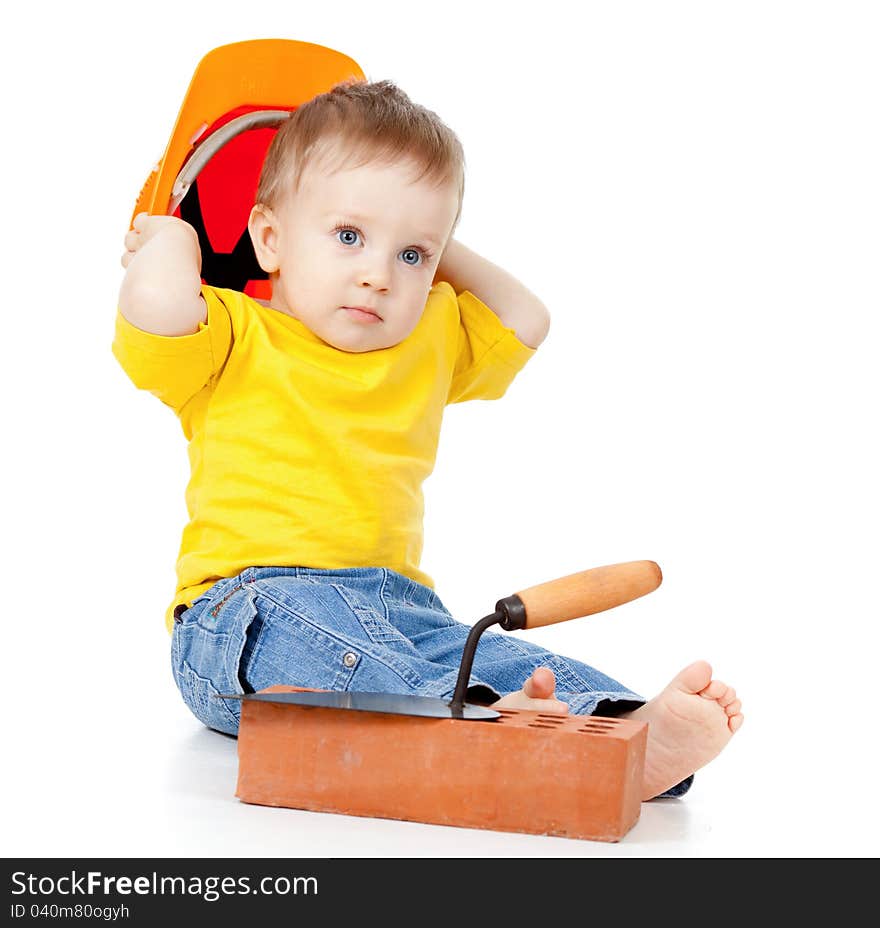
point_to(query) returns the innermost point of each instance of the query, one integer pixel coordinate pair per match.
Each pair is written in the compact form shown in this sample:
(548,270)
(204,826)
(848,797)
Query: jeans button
(349,658)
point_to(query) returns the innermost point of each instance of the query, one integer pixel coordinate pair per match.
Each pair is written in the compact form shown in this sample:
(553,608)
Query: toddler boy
(313,419)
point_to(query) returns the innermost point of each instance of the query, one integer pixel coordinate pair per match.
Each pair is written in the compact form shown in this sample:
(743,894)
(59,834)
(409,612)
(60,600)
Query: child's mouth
(362,315)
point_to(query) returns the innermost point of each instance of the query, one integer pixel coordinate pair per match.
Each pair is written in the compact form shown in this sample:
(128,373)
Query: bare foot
(689,723)
(536,694)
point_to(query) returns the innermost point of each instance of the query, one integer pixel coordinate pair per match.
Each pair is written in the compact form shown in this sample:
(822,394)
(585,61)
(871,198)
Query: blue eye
(352,234)
(347,231)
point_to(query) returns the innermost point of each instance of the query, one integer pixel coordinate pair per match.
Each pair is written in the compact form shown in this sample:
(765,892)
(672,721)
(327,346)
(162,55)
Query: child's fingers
(140,221)
(132,240)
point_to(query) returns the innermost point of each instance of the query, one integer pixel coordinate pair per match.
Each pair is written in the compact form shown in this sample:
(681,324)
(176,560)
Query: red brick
(574,776)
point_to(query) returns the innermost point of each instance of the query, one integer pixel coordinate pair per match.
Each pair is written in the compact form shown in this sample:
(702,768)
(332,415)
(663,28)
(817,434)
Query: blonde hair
(360,122)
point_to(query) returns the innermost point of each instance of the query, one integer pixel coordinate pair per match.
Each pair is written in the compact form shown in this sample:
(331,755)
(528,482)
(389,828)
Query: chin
(380,347)
(354,348)
(354,344)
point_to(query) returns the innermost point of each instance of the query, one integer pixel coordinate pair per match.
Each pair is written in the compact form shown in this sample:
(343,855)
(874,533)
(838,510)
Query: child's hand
(146,227)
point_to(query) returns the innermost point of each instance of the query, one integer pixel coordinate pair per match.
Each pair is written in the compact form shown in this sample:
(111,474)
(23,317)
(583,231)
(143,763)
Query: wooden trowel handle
(588,592)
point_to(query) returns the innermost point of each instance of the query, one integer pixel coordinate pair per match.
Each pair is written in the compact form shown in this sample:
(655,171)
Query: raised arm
(516,306)
(161,290)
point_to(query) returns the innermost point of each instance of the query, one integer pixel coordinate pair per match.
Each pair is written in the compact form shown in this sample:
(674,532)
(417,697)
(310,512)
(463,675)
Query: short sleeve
(489,354)
(175,368)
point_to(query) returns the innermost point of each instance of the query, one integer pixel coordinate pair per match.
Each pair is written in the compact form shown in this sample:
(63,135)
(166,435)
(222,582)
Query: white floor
(87,780)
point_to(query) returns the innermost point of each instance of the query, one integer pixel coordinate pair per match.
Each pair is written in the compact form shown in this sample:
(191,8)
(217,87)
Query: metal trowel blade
(424,706)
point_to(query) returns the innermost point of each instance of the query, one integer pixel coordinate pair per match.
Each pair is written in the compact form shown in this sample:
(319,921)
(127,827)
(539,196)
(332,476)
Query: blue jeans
(365,629)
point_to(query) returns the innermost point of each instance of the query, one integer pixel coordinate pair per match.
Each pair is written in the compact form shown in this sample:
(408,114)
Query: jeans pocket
(286,647)
(206,653)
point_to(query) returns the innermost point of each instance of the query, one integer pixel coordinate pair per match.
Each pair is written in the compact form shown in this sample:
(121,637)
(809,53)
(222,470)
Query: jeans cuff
(481,693)
(679,790)
(599,703)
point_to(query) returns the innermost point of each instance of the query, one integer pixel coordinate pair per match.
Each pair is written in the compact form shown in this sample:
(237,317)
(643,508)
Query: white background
(693,191)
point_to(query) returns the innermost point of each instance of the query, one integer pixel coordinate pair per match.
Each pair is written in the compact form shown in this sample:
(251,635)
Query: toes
(541,684)
(537,694)
(735,723)
(715,690)
(723,694)
(728,698)
(733,708)
(694,678)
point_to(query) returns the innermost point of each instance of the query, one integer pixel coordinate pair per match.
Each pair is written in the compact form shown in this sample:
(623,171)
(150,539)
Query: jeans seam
(205,682)
(370,621)
(382,595)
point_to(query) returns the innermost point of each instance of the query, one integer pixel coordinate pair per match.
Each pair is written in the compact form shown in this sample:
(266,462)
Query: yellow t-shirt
(302,454)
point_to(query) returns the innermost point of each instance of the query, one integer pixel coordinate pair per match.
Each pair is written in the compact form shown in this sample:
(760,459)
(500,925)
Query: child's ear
(263,230)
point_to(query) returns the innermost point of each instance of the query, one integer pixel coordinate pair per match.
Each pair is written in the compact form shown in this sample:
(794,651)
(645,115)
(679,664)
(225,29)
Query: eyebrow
(355,217)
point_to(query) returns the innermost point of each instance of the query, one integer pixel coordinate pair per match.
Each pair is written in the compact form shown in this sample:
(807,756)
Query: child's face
(365,236)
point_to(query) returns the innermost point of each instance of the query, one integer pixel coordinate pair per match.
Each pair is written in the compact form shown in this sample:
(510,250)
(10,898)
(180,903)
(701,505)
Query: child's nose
(376,275)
